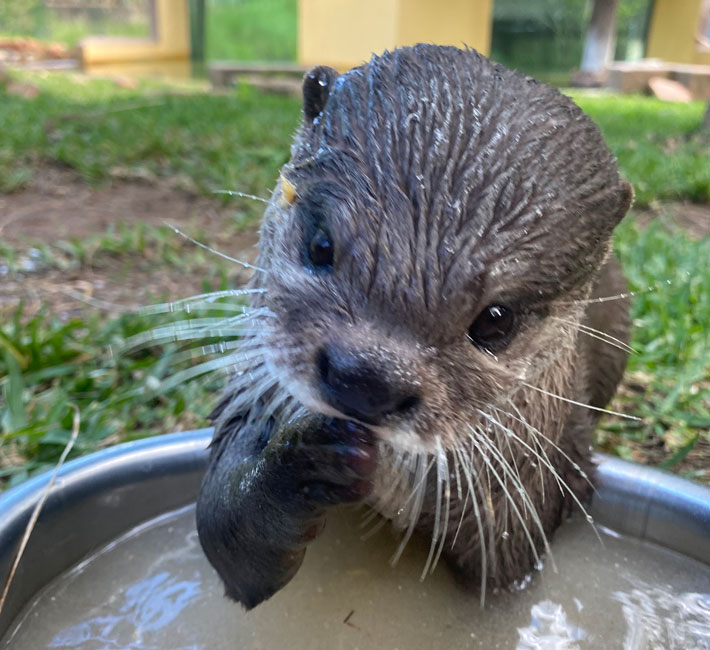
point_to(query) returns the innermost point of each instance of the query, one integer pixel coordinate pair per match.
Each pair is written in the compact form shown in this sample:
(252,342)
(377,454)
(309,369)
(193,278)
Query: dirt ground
(58,205)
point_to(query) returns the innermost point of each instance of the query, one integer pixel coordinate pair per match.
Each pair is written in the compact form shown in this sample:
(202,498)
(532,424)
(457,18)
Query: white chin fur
(398,437)
(401,438)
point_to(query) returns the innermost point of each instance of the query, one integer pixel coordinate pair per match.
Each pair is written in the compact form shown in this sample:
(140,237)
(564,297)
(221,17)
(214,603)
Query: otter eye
(320,249)
(492,328)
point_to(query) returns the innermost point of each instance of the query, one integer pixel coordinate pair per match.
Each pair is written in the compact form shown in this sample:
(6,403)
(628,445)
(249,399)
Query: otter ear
(626,198)
(316,88)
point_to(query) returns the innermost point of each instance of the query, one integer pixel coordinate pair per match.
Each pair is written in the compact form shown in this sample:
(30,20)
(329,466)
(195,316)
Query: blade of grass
(38,508)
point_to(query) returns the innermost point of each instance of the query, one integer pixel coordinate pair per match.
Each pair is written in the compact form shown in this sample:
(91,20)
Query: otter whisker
(457,461)
(221,363)
(477,514)
(536,432)
(295,412)
(508,472)
(376,527)
(400,475)
(277,402)
(206,299)
(598,334)
(443,492)
(249,388)
(459,492)
(537,442)
(588,406)
(242,325)
(548,464)
(523,494)
(437,517)
(590,301)
(242,195)
(447,508)
(198,352)
(496,433)
(422,471)
(214,251)
(506,439)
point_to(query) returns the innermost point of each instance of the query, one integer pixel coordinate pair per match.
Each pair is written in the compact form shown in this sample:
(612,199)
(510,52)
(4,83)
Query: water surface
(153,590)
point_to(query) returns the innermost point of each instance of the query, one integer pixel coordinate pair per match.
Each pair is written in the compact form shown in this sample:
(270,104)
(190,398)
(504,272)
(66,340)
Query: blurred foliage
(69,24)
(18,16)
(541,37)
(236,140)
(245,30)
(669,374)
(654,143)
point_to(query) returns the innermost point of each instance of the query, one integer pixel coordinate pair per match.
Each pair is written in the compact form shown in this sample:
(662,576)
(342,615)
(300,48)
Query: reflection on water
(549,628)
(148,605)
(656,618)
(153,590)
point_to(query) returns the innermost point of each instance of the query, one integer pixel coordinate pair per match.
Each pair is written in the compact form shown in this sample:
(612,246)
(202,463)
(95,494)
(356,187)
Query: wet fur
(448,183)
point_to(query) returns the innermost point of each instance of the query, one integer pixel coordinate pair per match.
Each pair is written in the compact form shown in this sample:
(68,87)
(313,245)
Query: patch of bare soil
(58,205)
(694,218)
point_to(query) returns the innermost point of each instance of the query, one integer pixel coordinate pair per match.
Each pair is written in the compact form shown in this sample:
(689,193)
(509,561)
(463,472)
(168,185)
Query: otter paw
(327,461)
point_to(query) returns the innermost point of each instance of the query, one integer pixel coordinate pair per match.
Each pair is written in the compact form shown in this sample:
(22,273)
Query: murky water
(153,590)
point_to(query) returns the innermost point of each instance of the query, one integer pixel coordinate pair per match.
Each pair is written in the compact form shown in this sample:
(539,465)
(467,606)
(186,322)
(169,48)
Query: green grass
(233,141)
(670,274)
(49,366)
(245,30)
(649,137)
(238,141)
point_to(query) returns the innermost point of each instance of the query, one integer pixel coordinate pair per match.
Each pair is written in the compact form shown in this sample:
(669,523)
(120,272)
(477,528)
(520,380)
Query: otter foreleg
(261,503)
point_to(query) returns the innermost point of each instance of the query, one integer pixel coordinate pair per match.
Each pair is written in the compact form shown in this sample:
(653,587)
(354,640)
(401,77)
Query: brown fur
(449,183)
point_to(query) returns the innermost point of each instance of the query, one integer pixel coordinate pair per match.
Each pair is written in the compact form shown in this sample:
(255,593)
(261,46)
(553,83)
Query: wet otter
(423,333)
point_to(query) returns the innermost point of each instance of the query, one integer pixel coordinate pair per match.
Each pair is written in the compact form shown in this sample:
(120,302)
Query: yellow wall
(671,37)
(344,33)
(171,42)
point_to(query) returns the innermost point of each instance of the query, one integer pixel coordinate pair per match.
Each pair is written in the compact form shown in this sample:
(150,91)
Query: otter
(425,333)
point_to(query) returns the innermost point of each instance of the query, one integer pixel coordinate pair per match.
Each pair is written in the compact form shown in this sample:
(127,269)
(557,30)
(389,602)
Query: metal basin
(97,498)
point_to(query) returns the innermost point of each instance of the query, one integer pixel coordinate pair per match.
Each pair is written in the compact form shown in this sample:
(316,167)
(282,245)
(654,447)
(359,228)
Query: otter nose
(351,384)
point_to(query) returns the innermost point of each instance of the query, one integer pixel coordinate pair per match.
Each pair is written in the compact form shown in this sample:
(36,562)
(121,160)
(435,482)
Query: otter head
(431,240)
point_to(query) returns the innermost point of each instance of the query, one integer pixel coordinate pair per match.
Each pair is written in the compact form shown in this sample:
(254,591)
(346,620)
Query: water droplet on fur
(505,534)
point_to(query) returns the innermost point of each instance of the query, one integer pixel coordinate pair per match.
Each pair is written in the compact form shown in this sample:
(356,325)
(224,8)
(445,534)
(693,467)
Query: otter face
(439,223)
